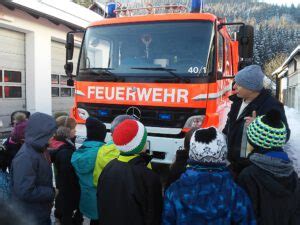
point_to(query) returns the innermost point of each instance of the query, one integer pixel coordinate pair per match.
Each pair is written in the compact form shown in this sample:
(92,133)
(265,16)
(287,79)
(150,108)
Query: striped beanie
(130,137)
(267,131)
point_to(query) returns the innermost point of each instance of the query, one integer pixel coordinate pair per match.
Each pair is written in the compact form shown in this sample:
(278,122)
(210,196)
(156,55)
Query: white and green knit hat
(130,137)
(267,131)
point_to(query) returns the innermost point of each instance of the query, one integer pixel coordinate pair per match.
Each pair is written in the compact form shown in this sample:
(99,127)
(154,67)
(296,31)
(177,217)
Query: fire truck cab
(173,70)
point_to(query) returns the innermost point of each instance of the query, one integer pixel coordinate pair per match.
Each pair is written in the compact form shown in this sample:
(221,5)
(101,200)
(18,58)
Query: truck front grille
(150,115)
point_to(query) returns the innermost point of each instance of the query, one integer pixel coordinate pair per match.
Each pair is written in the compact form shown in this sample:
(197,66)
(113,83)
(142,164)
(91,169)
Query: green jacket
(105,154)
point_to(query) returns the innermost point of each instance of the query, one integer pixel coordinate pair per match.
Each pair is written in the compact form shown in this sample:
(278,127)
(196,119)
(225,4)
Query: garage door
(12,74)
(62,95)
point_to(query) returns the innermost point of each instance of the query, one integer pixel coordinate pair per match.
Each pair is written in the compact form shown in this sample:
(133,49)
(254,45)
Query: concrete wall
(293,86)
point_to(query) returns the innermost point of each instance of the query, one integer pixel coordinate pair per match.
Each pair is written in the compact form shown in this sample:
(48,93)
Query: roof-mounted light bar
(150,9)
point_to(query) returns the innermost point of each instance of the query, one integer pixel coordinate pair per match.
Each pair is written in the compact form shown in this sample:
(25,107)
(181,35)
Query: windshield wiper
(169,70)
(101,71)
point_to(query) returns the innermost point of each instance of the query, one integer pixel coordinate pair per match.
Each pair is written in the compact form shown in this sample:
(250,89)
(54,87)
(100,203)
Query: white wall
(293,90)
(38,36)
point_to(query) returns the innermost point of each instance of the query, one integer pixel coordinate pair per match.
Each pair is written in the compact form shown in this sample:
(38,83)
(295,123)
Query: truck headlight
(82,113)
(194,121)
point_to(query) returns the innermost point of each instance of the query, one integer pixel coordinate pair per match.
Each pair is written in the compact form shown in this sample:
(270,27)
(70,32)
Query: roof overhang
(34,9)
(291,56)
(283,69)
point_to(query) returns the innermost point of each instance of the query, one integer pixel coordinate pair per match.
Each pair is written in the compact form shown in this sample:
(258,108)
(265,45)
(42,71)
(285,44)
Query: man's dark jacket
(234,128)
(129,193)
(275,197)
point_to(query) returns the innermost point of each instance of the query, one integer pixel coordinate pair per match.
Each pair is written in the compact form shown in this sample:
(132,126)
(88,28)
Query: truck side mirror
(245,38)
(69,56)
(70,46)
(69,70)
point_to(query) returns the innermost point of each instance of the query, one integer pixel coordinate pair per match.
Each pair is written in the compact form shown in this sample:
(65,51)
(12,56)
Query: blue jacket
(83,161)
(5,185)
(32,184)
(206,197)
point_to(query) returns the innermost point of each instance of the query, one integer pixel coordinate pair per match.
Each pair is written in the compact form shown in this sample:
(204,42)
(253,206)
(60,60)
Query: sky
(282,2)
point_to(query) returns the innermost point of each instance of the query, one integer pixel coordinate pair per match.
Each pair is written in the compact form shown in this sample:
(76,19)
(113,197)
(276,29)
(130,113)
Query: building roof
(57,11)
(283,67)
(292,55)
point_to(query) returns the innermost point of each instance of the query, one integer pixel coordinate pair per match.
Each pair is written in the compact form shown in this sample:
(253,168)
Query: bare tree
(271,65)
(85,3)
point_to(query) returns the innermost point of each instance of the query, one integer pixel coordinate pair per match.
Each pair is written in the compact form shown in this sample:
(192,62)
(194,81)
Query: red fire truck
(171,67)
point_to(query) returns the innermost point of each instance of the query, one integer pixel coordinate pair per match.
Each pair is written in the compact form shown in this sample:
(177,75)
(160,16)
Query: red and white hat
(130,137)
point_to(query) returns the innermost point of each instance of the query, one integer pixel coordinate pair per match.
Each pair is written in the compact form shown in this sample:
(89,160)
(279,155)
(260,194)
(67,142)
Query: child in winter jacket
(128,192)
(32,184)
(182,156)
(4,176)
(16,139)
(271,181)
(206,193)
(83,161)
(108,151)
(67,200)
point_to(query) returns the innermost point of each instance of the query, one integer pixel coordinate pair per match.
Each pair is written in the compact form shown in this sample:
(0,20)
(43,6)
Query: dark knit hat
(251,77)
(208,146)
(95,129)
(119,119)
(267,131)
(130,137)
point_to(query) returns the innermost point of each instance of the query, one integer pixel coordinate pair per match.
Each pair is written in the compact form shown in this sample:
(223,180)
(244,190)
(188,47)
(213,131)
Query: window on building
(65,92)
(220,52)
(293,99)
(59,86)
(0,75)
(12,92)
(63,80)
(12,76)
(1,89)
(55,91)
(295,65)
(54,79)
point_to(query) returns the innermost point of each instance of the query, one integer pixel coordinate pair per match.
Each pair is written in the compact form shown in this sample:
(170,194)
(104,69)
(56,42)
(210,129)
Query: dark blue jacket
(32,187)
(208,198)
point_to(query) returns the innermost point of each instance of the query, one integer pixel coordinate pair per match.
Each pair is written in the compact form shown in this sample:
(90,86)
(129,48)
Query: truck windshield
(147,49)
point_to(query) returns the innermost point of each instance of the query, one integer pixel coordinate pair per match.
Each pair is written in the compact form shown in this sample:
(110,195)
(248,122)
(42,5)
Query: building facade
(32,54)
(288,80)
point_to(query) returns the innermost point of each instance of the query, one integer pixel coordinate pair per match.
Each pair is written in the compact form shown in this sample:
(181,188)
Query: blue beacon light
(111,7)
(196,6)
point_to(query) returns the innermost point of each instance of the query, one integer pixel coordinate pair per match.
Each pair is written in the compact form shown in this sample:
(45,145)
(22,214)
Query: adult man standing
(251,99)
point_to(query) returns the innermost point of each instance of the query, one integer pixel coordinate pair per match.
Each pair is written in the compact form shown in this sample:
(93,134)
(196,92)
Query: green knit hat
(267,131)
